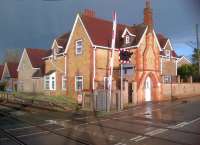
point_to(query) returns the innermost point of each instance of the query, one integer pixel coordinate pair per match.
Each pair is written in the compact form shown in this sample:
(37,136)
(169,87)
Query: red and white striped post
(112,58)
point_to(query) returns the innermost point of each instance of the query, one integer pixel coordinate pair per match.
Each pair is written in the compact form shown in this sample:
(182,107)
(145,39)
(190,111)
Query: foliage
(3,86)
(196,58)
(186,71)
(12,55)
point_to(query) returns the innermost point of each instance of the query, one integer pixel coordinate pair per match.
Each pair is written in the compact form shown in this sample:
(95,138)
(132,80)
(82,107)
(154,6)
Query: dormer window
(127,39)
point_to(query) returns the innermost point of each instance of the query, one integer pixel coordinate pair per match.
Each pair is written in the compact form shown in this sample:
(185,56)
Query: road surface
(166,123)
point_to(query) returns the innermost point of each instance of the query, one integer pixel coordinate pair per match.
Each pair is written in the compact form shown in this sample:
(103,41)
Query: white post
(112,58)
(121,88)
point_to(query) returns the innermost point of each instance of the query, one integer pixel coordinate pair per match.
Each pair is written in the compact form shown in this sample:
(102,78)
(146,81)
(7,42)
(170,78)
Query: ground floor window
(167,79)
(106,83)
(50,82)
(64,82)
(47,83)
(78,83)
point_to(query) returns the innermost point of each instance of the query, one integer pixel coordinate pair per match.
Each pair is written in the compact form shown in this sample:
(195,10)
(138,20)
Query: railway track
(17,140)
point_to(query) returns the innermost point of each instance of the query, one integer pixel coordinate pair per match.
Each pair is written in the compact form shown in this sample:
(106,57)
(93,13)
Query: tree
(12,55)
(196,57)
(186,71)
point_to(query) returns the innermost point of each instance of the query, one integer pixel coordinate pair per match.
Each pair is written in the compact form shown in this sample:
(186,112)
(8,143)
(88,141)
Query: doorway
(147,90)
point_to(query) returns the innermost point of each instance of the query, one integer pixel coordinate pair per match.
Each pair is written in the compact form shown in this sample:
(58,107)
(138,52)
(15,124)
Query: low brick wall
(180,90)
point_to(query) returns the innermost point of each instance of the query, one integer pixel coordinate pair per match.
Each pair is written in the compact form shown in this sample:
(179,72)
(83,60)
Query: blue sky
(35,23)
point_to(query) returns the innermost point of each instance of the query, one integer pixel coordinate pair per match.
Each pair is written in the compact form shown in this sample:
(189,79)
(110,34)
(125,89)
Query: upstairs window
(168,54)
(127,39)
(79,47)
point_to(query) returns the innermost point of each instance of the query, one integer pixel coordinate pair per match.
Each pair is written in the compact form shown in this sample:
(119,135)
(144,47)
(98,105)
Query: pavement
(164,123)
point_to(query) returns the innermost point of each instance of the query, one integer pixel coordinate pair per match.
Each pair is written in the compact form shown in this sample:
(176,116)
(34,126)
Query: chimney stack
(89,13)
(148,16)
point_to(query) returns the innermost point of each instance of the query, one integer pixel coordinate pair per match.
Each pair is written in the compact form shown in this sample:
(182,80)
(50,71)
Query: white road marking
(120,143)
(140,139)
(135,137)
(195,120)
(160,131)
(155,132)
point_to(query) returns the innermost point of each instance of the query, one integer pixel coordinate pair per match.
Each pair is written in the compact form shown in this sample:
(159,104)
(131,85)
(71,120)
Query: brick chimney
(89,12)
(148,15)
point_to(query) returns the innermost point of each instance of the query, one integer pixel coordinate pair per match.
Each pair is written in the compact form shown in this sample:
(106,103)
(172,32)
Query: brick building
(182,61)
(31,70)
(10,76)
(88,52)
(55,68)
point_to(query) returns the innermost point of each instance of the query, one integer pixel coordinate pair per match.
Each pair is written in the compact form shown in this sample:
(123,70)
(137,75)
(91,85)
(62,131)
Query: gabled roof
(1,70)
(183,57)
(162,40)
(35,55)
(63,39)
(100,31)
(12,68)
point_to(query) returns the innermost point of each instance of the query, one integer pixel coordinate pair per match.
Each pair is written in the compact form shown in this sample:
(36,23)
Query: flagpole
(112,57)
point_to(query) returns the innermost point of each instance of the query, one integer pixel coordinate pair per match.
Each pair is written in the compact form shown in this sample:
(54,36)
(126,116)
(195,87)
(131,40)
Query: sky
(35,23)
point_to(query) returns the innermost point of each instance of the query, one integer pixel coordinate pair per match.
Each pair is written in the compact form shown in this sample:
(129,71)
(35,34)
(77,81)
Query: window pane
(79,47)
(79,83)
(64,83)
(47,82)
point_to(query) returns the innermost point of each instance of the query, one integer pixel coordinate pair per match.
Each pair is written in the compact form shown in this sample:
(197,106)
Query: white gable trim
(127,31)
(21,59)
(168,42)
(157,40)
(183,57)
(138,45)
(5,66)
(24,51)
(55,43)
(74,26)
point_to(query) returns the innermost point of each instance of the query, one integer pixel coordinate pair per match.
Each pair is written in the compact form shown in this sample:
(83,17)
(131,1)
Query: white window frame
(52,78)
(78,47)
(76,78)
(167,79)
(53,83)
(105,80)
(168,54)
(45,83)
(64,81)
(127,39)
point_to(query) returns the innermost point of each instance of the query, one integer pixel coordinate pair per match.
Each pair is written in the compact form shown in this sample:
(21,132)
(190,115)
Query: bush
(2,86)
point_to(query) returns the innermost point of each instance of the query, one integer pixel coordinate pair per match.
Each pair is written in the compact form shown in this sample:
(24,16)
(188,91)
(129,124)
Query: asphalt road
(166,123)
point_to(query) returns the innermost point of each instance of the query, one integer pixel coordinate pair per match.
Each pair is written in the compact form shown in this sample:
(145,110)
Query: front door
(147,90)
(130,92)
